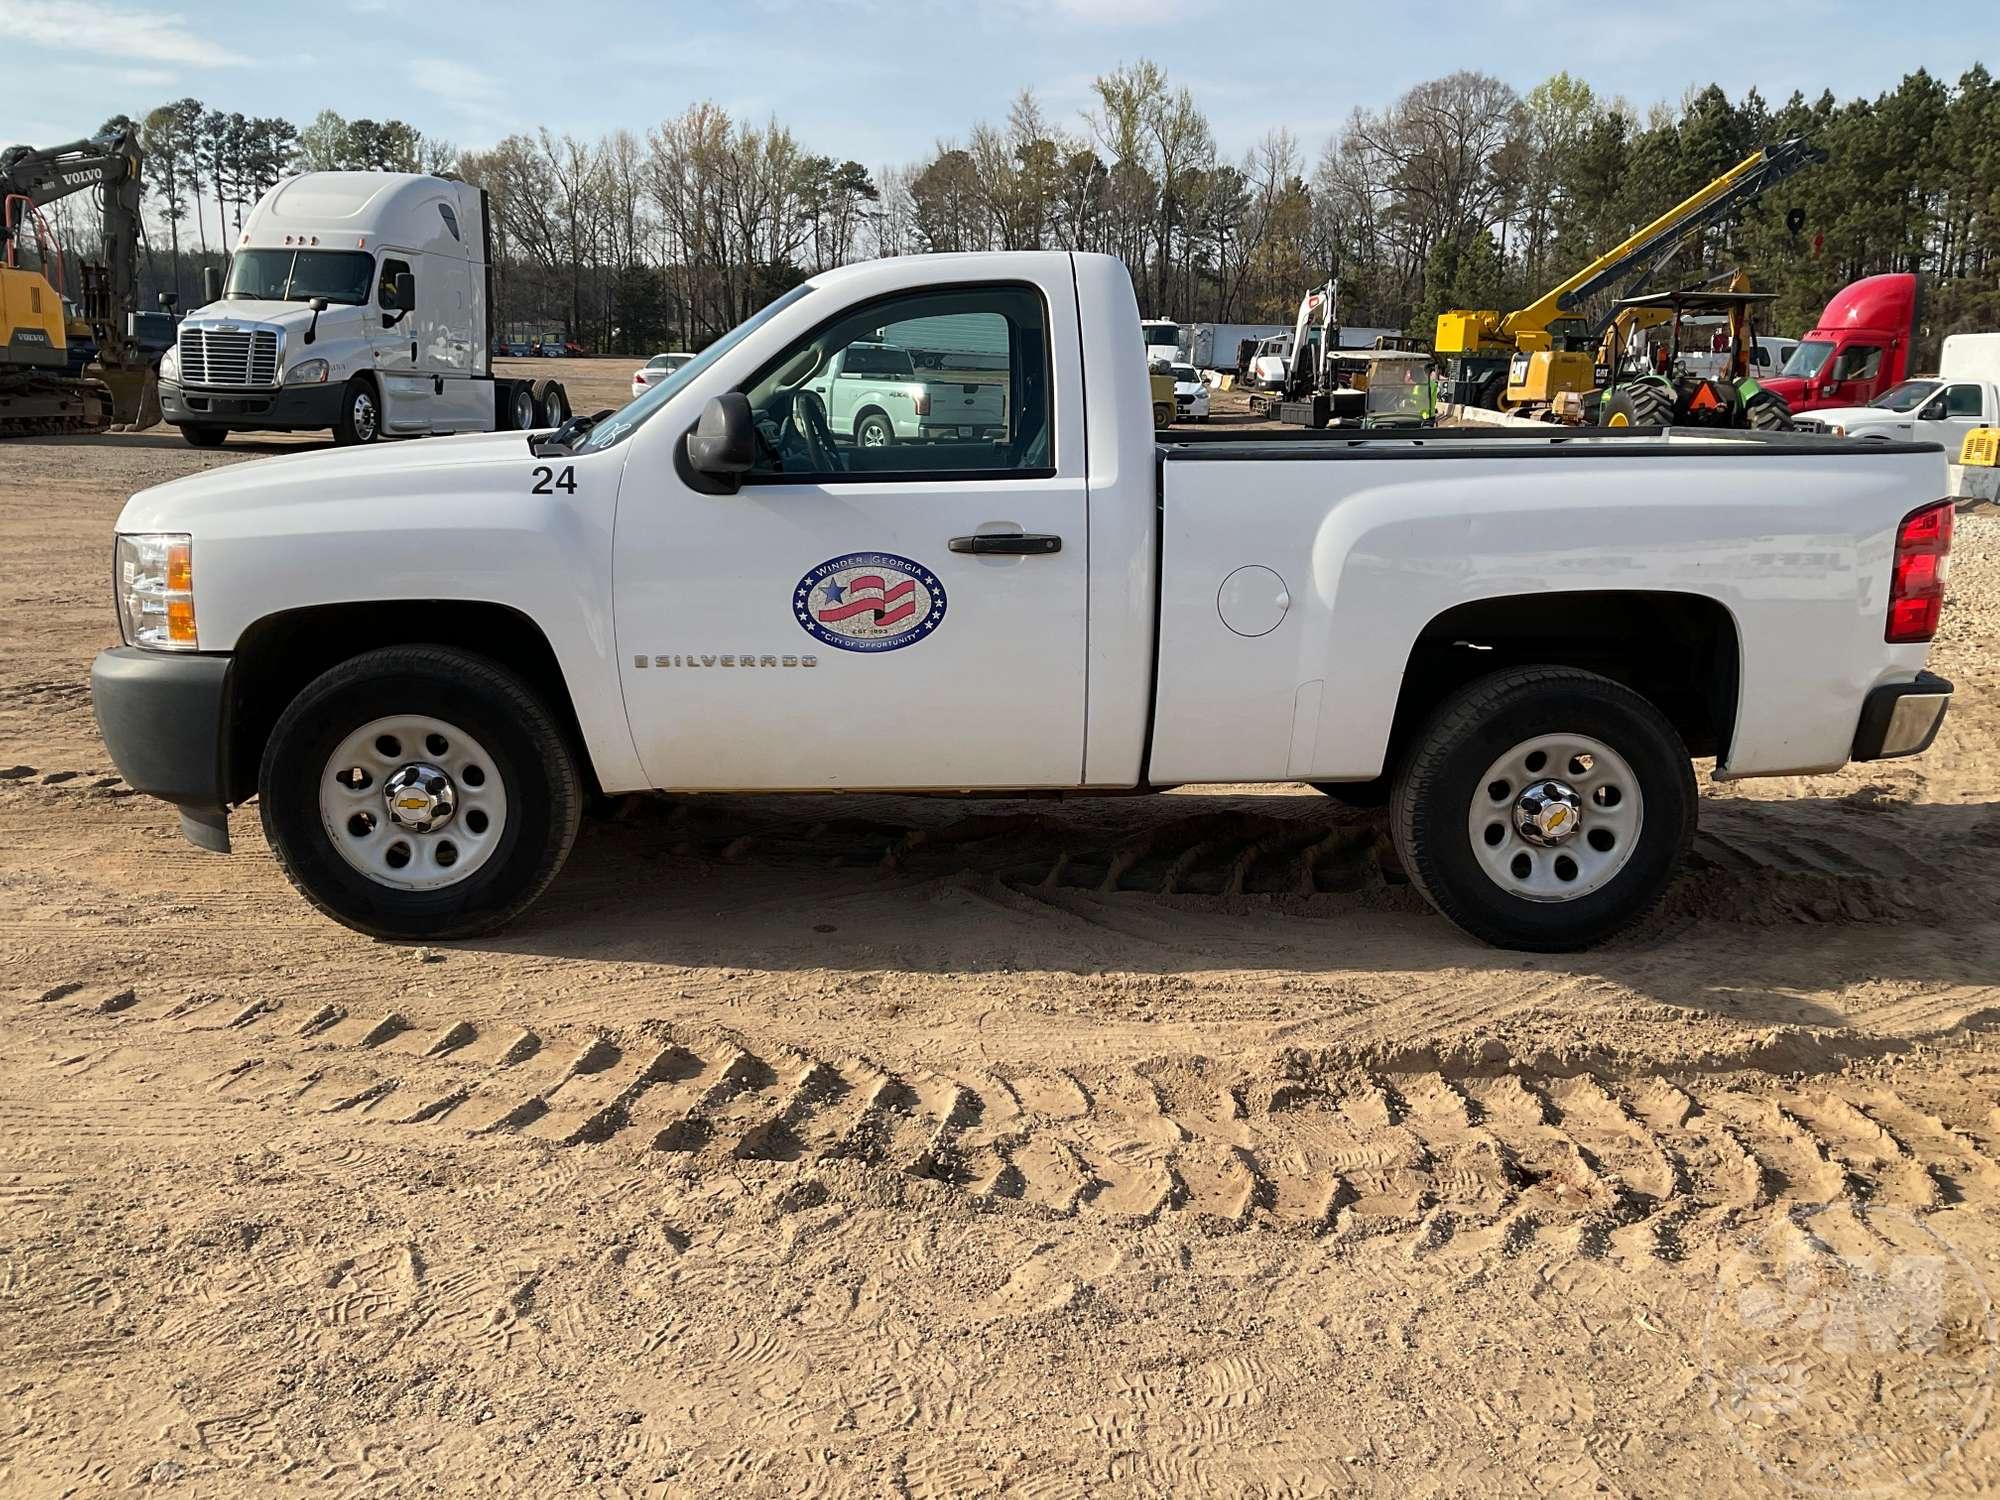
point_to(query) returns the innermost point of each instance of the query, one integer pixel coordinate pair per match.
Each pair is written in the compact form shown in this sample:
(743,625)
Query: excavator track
(53,406)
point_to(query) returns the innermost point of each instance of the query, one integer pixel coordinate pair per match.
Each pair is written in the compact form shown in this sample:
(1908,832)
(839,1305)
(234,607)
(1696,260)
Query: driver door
(904,616)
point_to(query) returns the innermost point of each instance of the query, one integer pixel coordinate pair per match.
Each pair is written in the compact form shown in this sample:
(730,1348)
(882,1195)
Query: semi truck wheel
(553,405)
(360,414)
(1544,808)
(521,407)
(419,792)
(201,435)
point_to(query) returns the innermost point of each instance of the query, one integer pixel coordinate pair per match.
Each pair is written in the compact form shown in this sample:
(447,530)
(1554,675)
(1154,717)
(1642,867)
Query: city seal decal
(869,601)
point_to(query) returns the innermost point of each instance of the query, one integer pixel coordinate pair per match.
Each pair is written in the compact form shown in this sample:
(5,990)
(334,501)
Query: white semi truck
(358,302)
(420,660)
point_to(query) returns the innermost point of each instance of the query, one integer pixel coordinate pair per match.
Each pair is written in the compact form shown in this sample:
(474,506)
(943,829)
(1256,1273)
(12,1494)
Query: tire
(521,407)
(360,419)
(1646,405)
(874,430)
(503,745)
(552,407)
(1447,787)
(1163,417)
(201,435)
(1373,793)
(1765,412)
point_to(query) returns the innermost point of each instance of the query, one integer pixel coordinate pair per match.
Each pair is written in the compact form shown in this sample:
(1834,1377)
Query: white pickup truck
(421,660)
(1940,408)
(870,395)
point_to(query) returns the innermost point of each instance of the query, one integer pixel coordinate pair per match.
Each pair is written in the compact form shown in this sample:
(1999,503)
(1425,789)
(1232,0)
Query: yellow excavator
(1535,355)
(47,328)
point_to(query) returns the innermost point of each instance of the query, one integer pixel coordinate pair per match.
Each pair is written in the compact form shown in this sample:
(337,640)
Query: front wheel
(1544,808)
(1765,412)
(202,435)
(418,792)
(360,419)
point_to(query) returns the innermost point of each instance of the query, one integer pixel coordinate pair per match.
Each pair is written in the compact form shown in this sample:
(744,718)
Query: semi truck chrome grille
(239,357)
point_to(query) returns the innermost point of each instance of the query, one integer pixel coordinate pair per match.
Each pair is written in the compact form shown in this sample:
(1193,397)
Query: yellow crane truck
(1529,357)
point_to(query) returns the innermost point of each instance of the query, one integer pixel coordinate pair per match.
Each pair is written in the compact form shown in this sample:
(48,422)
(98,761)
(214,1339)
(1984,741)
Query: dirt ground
(888,1146)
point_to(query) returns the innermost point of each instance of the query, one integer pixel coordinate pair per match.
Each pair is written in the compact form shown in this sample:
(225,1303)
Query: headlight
(170,364)
(307,372)
(153,576)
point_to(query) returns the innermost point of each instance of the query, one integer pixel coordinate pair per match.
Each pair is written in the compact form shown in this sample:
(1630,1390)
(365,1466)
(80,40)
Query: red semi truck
(1859,348)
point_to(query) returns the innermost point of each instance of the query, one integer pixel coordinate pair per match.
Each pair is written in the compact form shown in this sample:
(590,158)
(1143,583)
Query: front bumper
(266,409)
(165,720)
(1901,718)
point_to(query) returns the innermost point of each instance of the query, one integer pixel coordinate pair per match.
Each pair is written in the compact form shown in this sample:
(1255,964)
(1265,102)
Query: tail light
(1917,577)
(922,402)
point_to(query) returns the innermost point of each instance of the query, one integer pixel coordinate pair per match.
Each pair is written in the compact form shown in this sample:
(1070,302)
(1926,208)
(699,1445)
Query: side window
(385,291)
(947,382)
(1962,401)
(450,217)
(1858,363)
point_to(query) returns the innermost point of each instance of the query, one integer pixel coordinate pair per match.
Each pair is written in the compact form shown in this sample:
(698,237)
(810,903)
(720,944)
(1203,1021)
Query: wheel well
(872,411)
(278,655)
(1680,651)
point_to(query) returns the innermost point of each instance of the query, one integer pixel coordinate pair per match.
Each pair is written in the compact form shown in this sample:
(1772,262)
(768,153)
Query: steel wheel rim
(1606,798)
(556,410)
(364,415)
(365,831)
(524,411)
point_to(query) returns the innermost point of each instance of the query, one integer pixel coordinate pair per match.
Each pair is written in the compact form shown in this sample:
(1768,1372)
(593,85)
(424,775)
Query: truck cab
(355,301)
(1859,348)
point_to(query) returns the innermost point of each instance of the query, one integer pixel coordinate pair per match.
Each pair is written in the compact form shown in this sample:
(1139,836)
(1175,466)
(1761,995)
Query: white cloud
(476,98)
(153,37)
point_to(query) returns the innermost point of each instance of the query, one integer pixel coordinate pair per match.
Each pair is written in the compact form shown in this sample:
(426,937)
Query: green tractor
(1672,386)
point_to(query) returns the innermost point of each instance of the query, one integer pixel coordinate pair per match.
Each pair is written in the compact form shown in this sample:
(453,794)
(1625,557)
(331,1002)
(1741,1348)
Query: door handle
(1008,543)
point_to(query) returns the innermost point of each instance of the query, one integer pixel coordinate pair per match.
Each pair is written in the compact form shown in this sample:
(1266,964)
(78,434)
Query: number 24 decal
(547,481)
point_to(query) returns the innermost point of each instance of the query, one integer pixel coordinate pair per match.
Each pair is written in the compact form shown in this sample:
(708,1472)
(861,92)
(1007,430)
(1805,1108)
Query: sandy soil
(887,1146)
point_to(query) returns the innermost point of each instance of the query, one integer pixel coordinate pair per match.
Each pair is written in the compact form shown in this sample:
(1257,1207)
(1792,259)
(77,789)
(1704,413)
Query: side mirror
(211,284)
(167,301)
(406,292)
(723,445)
(317,304)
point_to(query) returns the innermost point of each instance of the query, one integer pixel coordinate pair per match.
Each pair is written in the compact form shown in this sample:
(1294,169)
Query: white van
(355,301)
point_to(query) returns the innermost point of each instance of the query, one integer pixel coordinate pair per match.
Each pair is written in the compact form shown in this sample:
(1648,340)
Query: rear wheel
(419,792)
(1544,808)
(521,407)
(1646,405)
(202,435)
(1768,413)
(553,406)
(874,431)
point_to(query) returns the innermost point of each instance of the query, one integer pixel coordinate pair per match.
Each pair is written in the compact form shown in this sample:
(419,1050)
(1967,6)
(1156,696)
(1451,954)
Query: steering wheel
(809,418)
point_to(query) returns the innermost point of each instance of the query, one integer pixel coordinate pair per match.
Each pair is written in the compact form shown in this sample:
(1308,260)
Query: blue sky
(884,80)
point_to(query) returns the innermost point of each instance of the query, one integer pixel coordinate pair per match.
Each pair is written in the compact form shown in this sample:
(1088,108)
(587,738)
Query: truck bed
(1301,573)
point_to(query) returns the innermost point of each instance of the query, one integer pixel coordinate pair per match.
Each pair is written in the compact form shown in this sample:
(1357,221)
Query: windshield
(1908,396)
(1808,358)
(629,418)
(1185,373)
(342,276)
(1160,335)
(877,359)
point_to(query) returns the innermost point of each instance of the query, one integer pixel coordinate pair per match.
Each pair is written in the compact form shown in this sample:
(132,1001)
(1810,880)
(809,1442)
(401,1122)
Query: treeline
(1463,192)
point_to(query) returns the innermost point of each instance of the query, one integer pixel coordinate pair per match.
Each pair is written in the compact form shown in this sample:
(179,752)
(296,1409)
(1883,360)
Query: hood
(283,314)
(440,470)
(1873,418)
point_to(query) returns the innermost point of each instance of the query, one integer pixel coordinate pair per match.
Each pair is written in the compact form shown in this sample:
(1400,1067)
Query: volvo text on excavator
(1529,357)
(39,391)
